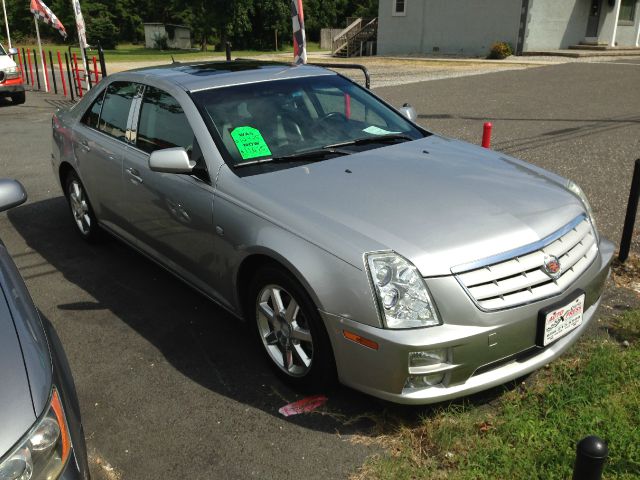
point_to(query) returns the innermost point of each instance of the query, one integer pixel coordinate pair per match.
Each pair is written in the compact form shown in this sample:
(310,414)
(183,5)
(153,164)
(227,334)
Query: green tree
(271,23)
(246,23)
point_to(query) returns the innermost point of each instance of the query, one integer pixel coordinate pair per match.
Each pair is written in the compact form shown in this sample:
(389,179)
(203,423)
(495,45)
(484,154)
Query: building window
(399,8)
(627,12)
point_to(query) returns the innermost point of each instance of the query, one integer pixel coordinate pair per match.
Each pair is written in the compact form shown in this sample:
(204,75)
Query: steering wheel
(333,117)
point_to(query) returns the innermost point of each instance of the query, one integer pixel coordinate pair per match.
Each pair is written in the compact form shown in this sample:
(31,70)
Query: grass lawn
(133,53)
(532,430)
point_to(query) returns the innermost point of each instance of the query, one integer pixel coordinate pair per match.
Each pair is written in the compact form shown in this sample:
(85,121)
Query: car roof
(205,75)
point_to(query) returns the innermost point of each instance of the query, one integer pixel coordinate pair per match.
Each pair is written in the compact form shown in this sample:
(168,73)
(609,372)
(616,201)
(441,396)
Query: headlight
(11,72)
(577,191)
(401,294)
(44,451)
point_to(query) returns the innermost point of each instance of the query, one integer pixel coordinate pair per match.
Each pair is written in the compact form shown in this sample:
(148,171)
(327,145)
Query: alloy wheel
(284,330)
(79,207)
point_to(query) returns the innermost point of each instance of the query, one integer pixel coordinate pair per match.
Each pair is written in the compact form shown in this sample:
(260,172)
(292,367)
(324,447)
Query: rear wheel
(290,330)
(18,98)
(81,211)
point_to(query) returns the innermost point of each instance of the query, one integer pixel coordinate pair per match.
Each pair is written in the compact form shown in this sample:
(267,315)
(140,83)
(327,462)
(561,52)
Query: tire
(295,342)
(18,98)
(81,211)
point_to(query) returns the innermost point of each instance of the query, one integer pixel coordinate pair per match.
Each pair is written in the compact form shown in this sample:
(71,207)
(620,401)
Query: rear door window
(115,110)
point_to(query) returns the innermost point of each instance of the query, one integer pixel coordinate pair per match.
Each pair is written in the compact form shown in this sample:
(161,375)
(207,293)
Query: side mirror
(409,112)
(12,51)
(171,160)
(12,194)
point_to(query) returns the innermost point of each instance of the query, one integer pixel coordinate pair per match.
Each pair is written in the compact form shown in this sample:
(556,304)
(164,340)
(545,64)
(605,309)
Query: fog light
(426,359)
(424,381)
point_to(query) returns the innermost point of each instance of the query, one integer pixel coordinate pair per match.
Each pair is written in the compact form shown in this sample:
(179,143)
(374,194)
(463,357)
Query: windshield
(288,118)
(2,50)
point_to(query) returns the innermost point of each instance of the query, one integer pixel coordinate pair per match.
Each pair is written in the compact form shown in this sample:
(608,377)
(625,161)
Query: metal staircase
(357,40)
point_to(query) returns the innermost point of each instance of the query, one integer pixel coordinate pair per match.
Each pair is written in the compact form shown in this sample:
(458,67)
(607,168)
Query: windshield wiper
(312,155)
(376,139)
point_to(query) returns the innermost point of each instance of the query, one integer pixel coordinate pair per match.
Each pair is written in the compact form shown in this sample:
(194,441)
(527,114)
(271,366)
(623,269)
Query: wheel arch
(261,258)
(333,285)
(63,171)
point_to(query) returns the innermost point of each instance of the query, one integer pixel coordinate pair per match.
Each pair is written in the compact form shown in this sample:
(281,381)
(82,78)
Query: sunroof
(214,68)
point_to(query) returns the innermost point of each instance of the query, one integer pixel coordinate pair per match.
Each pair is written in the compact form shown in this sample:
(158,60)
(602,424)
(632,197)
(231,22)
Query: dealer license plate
(559,322)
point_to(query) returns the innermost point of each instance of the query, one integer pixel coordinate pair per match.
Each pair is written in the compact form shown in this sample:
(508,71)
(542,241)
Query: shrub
(160,42)
(500,51)
(102,30)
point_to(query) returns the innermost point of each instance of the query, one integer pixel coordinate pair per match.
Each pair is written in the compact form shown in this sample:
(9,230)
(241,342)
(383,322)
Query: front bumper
(9,87)
(486,349)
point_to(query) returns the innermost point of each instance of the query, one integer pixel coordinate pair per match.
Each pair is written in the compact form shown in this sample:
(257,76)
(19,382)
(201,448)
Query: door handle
(85,146)
(134,174)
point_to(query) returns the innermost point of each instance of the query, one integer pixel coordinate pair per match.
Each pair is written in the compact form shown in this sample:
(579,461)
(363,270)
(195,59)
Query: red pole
(95,69)
(347,106)
(486,135)
(46,75)
(64,84)
(30,67)
(75,62)
(21,65)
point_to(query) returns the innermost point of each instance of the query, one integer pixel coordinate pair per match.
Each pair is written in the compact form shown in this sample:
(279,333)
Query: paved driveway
(170,385)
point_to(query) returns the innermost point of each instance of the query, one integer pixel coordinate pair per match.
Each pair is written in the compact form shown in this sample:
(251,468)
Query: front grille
(521,279)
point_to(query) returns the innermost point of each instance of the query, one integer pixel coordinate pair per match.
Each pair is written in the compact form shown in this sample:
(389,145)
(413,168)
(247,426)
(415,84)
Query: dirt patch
(627,274)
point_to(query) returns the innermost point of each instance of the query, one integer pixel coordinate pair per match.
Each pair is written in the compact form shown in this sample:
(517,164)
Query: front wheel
(81,211)
(290,330)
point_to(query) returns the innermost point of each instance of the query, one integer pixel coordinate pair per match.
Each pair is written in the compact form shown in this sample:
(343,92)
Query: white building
(178,36)
(470,27)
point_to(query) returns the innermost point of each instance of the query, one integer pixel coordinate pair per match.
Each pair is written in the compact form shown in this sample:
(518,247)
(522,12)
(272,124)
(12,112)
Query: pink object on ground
(303,406)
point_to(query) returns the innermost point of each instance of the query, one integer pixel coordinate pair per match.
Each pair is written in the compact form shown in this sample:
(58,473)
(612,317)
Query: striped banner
(44,13)
(299,38)
(80,25)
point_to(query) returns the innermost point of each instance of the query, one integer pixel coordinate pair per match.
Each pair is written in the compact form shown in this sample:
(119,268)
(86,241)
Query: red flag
(44,13)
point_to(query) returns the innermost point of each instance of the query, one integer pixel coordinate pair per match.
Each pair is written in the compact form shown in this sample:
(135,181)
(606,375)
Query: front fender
(334,285)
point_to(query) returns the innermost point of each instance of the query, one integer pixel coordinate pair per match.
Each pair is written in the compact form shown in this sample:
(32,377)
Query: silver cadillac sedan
(361,247)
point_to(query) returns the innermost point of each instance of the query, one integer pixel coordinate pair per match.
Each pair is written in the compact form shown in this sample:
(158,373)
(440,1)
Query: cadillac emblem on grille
(552,266)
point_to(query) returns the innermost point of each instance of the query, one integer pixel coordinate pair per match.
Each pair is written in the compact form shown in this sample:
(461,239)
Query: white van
(11,84)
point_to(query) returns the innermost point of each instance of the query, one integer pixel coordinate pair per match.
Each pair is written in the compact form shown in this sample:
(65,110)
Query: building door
(594,19)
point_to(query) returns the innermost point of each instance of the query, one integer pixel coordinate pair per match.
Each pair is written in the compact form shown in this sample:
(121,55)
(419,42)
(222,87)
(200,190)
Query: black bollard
(632,212)
(26,69)
(35,64)
(66,60)
(103,65)
(591,454)
(53,73)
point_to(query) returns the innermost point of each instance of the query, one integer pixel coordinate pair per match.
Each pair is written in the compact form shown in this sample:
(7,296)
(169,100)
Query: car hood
(16,407)
(439,202)
(25,361)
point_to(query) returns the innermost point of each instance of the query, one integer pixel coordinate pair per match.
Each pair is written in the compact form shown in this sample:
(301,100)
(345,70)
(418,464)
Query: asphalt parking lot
(170,386)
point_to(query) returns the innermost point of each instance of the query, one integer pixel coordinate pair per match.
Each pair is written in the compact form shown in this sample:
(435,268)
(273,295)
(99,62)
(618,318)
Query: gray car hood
(439,202)
(25,362)
(16,407)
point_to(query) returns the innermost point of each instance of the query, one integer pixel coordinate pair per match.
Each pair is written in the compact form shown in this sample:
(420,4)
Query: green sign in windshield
(250,143)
